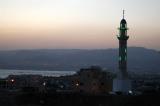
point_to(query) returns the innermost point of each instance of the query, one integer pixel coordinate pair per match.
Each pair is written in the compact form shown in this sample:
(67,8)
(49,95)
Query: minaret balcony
(122,37)
(123,28)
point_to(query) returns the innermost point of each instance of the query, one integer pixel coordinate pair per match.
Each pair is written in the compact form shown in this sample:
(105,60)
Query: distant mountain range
(139,59)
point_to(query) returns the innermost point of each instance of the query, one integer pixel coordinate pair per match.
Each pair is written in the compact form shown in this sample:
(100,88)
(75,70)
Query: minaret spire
(123,13)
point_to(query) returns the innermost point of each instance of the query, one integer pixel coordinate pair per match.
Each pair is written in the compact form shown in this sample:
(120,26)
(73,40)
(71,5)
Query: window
(125,50)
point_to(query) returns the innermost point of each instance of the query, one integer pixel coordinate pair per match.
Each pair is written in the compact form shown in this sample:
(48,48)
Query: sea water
(5,72)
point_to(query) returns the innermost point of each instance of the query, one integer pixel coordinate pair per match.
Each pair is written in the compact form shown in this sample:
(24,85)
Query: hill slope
(139,59)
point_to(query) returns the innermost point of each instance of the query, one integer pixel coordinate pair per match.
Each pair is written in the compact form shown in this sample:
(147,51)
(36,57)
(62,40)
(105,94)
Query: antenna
(123,13)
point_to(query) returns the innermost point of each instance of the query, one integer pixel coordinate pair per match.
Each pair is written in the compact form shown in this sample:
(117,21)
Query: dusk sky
(81,24)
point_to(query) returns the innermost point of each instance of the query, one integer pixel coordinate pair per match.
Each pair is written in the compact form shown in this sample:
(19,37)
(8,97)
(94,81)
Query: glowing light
(12,80)
(77,84)
(130,92)
(44,83)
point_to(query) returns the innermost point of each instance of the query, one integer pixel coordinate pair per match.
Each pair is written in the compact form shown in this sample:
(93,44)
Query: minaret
(123,37)
(122,83)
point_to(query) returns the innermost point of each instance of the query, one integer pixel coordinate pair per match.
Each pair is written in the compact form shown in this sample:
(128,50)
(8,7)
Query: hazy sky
(30,24)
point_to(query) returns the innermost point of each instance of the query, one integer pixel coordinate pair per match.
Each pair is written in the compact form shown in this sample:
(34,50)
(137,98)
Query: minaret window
(125,50)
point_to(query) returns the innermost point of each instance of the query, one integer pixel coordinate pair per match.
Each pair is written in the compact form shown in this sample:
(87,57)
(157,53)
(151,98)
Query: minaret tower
(123,37)
(122,83)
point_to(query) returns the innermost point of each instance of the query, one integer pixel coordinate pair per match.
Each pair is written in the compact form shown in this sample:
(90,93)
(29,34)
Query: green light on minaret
(125,50)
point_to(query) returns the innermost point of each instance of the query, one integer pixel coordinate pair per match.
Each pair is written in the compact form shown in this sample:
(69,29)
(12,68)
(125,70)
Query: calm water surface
(5,72)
